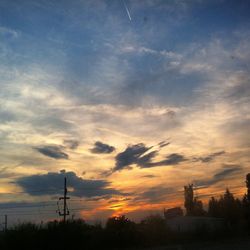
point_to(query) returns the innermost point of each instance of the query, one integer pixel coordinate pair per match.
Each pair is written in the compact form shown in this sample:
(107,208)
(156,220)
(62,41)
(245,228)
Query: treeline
(120,232)
(234,211)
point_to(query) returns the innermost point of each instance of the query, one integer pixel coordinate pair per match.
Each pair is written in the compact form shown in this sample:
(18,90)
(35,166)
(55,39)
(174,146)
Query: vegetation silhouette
(122,233)
(194,207)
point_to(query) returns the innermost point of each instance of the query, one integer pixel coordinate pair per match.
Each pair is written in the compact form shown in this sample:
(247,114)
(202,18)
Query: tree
(248,187)
(121,231)
(194,207)
(198,208)
(226,207)
(189,199)
(153,230)
(214,208)
(246,202)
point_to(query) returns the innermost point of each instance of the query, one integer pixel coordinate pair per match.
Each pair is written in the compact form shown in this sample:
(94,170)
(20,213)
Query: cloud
(5,173)
(146,160)
(220,176)
(102,148)
(137,154)
(210,157)
(163,144)
(131,155)
(195,78)
(224,173)
(72,144)
(6,116)
(9,33)
(155,194)
(145,50)
(52,151)
(119,200)
(238,131)
(50,123)
(149,176)
(172,159)
(52,183)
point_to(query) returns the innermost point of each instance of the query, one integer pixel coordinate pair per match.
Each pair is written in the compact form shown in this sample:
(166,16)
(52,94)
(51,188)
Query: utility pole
(5,222)
(248,186)
(64,198)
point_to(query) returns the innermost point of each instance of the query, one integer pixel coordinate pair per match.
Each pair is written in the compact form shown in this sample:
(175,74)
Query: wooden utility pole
(64,198)
(5,222)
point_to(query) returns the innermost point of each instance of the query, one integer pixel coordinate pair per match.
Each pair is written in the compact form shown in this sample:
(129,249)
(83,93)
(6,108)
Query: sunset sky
(130,100)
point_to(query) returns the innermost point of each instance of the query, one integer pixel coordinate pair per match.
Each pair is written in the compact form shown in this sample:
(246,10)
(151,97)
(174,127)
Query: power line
(36,213)
(45,204)
(27,206)
(32,191)
(48,211)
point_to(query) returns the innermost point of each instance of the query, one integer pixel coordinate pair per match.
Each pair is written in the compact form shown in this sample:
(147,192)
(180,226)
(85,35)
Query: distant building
(173,213)
(194,223)
(179,223)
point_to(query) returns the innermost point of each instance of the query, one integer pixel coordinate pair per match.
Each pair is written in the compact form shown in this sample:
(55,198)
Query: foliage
(194,207)
(120,232)
(153,230)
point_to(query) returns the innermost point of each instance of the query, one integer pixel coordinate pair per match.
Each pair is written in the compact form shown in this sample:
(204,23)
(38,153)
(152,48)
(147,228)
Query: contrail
(127,10)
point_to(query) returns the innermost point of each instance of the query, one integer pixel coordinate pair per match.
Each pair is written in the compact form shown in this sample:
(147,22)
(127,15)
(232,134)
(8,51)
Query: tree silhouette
(248,187)
(214,208)
(246,202)
(227,207)
(189,199)
(121,231)
(194,207)
(153,229)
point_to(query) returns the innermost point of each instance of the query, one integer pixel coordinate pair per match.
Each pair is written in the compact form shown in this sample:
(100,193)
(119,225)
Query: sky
(130,100)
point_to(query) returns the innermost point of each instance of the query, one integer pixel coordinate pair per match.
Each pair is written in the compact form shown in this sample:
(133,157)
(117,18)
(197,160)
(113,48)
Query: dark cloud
(130,155)
(210,157)
(224,173)
(137,154)
(52,151)
(172,159)
(149,176)
(227,171)
(102,148)
(146,160)
(155,194)
(163,144)
(72,144)
(52,183)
